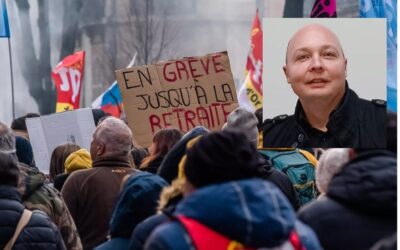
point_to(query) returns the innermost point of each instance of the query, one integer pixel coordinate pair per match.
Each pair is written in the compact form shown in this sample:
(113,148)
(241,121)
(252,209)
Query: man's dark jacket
(39,231)
(360,206)
(91,195)
(356,123)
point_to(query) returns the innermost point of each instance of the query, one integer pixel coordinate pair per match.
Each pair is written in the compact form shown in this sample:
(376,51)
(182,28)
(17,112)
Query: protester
(168,169)
(137,201)
(163,141)
(138,154)
(38,195)
(246,122)
(58,157)
(98,114)
(328,112)
(77,160)
(215,205)
(24,151)
(360,206)
(39,232)
(18,125)
(91,194)
(331,162)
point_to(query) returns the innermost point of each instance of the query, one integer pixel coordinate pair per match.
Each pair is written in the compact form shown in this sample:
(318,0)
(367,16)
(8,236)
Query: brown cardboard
(179,93)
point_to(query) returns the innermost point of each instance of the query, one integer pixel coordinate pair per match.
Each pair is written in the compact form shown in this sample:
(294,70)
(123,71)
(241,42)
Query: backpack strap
(310,157)
(25,217)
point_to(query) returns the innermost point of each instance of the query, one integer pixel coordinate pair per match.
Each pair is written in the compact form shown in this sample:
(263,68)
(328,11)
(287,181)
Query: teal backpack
(298,168)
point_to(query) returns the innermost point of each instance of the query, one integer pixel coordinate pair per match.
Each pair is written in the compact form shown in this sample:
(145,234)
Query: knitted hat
(24,151)
(331,162)
(221,156)
(78,160)
(244,121)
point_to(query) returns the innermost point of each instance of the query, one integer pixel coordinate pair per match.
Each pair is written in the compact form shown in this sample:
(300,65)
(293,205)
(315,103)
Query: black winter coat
(360,206)
(356,123)
(39,233)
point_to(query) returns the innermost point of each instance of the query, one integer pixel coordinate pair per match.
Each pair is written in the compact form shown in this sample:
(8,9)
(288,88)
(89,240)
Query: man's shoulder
(375,104)
(373,112)
(278,130)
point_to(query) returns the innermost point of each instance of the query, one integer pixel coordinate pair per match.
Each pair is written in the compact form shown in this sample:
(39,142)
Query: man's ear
(100,149)
(286,74)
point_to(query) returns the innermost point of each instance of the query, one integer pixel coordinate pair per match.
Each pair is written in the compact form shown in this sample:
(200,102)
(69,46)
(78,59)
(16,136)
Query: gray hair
(7,139)
(331,162)
(115,135)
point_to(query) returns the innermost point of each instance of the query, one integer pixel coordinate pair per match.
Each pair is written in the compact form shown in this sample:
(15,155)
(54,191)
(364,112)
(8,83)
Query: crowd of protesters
(198,190)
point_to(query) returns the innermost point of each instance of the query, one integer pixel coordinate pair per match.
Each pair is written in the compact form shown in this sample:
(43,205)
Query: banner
(386,9)
(177,93)
(323,8)
(67,76)
(250,94)
(4,27)
(48,131)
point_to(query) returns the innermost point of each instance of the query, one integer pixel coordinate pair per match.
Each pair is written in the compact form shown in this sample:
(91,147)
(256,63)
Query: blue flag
(386,9)
(4,28)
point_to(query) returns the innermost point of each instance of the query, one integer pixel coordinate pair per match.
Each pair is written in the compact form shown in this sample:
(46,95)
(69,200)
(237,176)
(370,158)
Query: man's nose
(316,63)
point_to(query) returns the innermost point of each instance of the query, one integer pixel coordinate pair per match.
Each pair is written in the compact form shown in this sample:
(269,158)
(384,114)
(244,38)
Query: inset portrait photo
(324,83)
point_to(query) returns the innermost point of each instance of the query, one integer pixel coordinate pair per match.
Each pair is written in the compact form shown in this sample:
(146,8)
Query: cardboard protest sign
(180,93)
(68,76)
(47,132)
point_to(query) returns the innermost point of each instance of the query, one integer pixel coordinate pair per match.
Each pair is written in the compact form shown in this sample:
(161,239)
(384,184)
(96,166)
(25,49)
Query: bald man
(328,113)
(91,194)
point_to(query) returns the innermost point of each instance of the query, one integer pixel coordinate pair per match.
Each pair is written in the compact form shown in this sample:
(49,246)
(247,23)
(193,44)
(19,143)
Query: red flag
(67,76)
(250,94)
(254,60)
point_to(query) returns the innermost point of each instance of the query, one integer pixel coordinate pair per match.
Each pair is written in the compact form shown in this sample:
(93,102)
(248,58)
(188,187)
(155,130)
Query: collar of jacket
(342,121)
(9,192)
(120,161)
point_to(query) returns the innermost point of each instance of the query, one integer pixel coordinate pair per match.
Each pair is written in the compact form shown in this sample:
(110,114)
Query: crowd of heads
(189,162)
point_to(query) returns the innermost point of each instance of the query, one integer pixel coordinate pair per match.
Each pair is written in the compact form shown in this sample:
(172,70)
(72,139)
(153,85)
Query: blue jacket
(360,206)
(137,201)
(253,212)
(39,230)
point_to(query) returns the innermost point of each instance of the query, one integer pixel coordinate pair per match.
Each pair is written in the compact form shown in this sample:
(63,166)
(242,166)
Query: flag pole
(12,78)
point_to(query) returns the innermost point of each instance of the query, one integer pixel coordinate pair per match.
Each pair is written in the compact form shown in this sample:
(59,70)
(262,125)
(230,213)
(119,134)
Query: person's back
(247,213)
(35,194)
(360,206)
(39,232)
(91,194)
(223,205)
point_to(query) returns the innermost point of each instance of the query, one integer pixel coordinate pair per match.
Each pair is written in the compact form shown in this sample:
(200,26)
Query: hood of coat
(253,212)
(368,183)
(137,201)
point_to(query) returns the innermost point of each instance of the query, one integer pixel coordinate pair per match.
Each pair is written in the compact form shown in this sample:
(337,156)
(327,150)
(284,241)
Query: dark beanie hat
(222,156)
(97,115)
(24,150)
